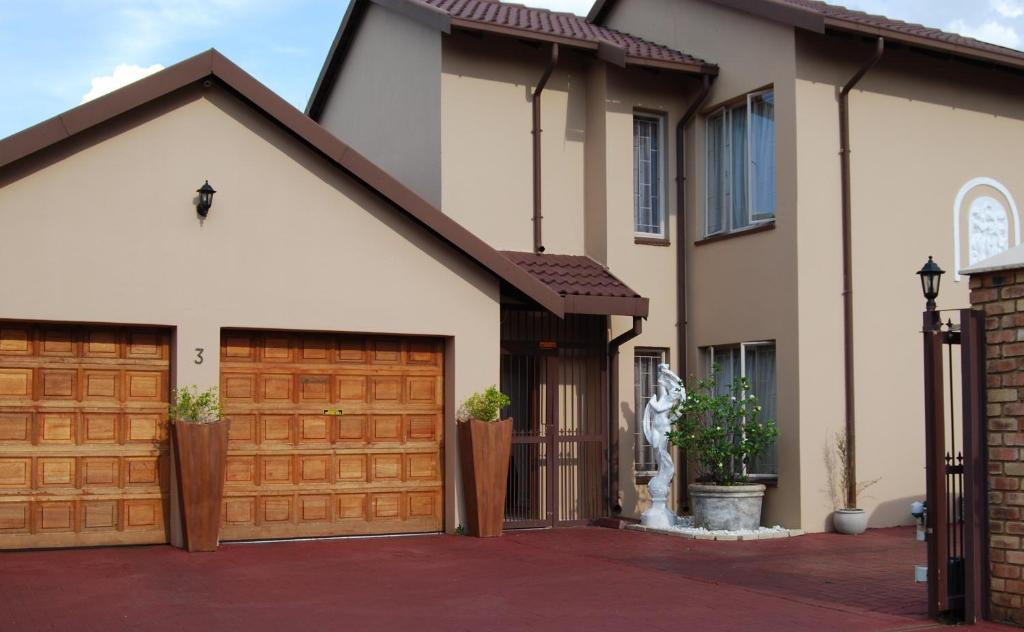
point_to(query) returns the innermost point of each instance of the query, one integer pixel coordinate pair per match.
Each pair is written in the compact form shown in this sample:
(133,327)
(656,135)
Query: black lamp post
(931,275)
(205,199)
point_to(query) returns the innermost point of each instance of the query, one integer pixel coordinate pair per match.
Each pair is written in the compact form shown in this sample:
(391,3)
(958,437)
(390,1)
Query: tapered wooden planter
(484,449)
(201,455)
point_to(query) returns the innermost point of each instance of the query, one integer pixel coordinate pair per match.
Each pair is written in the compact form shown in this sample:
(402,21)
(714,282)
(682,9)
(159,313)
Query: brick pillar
(1001,295)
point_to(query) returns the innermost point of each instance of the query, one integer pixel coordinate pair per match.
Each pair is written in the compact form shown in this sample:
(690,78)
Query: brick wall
(1001,295)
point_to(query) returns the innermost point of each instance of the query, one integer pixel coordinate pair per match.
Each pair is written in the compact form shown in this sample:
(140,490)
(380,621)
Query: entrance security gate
(555,372)
(956,465)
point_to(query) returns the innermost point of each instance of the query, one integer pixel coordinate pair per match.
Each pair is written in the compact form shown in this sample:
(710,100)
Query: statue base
(659,516)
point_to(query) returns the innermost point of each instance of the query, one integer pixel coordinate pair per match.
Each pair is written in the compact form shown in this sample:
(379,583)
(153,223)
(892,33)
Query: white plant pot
(850,521)
(727,507)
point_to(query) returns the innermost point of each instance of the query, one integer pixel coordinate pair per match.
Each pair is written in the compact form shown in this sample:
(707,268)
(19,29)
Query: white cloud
(123,75)
(1008,8)
(990,31)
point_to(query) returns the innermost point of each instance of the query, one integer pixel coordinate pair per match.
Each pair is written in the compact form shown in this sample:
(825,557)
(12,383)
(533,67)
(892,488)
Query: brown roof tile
(572,274)
(838,12)
(568,25)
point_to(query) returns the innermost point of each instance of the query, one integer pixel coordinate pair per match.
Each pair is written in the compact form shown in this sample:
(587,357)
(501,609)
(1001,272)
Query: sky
(56,54)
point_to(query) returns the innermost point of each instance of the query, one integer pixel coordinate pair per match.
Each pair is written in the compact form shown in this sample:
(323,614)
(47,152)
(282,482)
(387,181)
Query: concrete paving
(564,579)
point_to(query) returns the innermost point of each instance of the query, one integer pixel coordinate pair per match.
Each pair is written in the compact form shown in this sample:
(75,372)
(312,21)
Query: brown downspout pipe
(844,165)
(613,404)
(684,122)
(538,242)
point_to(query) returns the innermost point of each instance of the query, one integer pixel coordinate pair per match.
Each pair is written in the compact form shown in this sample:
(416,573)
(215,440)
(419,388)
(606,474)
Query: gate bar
(937,525)
(975,440)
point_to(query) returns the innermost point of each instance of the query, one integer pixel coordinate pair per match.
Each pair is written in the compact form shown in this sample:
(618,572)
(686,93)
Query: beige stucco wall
(290,243)
(742,289)
(487,147)
(921,128)
(386,102)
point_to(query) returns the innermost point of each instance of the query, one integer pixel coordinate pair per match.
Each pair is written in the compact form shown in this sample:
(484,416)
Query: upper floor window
(648,167)
(741,164)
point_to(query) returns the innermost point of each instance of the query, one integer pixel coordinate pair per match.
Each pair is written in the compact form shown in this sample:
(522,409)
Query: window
(741,164)
(756,362)
(645,382)
(648,167)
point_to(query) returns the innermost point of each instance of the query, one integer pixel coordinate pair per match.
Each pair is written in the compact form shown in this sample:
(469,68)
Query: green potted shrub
(200,453)
(847,518)
(485,443)
(724,432)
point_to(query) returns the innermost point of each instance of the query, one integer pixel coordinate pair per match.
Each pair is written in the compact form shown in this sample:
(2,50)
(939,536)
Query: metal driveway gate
(956,465)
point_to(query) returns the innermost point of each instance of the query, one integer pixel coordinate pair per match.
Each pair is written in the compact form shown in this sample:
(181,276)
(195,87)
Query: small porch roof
(586,286)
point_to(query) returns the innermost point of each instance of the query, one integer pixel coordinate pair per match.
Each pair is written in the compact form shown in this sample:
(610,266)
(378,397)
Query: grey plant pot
(727,507)
(850,521)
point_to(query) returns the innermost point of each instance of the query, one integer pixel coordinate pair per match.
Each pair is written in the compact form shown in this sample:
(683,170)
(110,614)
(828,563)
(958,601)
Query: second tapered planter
(201,456)
(484,449)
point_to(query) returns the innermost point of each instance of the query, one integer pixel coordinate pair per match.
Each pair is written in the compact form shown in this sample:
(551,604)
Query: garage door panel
(331,434)
(83,449)
(16,427)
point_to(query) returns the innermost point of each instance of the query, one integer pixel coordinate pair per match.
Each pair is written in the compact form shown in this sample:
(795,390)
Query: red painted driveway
(570,579)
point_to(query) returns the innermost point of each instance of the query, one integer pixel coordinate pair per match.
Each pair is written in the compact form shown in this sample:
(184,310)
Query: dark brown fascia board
(598,48)
(213,65)
(429,16)
(916,41)
(607,305)
(811,21)
(600,11)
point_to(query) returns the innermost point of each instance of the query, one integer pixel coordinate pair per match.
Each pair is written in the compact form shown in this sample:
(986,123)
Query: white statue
(670,391)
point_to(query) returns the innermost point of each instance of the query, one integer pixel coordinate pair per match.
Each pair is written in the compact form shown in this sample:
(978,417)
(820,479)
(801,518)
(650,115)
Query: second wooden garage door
(332,434)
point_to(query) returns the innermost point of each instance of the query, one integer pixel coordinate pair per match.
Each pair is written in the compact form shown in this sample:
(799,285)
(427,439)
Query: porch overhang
(586,286)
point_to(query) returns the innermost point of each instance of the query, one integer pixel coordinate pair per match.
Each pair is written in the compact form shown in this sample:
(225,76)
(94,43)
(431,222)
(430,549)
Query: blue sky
(55,52)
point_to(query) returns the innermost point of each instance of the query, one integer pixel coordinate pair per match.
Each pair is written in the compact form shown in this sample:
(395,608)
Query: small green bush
(484,406)
(192,406)
(724,433)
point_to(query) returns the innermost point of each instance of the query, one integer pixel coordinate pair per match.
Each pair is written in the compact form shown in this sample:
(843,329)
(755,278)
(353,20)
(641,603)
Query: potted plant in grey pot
(723,430)
(200,455)
(848,519)
(485,443)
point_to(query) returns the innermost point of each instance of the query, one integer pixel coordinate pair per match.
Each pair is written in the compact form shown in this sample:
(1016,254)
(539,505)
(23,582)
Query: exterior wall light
(205,199)
(931,275)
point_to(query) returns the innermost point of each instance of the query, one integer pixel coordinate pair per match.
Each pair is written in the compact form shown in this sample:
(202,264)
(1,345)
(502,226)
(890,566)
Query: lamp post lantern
(931,276)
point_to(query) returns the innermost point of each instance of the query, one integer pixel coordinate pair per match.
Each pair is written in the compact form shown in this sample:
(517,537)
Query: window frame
(660,119)
(724,111)
(709,363)
(639,440)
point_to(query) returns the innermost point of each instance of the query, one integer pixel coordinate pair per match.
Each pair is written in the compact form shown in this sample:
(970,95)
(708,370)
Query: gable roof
(512,20)
(581,281)
(212,66)
(818,16)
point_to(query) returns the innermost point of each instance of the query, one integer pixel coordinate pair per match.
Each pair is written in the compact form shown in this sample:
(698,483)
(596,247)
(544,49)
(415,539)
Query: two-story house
(817,157)
(484,193)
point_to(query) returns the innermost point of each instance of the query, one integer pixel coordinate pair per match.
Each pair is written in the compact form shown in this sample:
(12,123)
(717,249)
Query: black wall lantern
(205,199)
(931,275)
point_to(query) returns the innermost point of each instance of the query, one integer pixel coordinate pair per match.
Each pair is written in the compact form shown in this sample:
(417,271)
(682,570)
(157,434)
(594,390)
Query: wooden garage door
(83,435)
(332,434)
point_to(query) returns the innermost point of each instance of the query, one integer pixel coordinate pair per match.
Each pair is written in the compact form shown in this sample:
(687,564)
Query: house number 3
(199,355)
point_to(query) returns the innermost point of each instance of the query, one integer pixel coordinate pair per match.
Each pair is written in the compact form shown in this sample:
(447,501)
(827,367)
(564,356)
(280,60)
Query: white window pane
(716,168)
(738,167)
(760,371)
(762,155)
(647,202)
